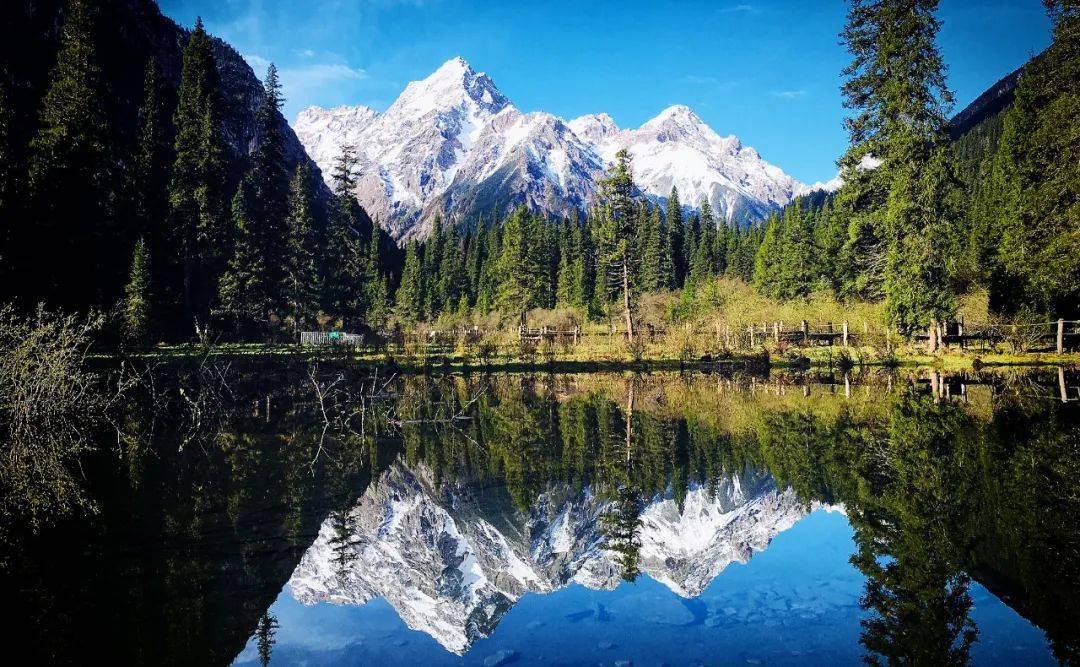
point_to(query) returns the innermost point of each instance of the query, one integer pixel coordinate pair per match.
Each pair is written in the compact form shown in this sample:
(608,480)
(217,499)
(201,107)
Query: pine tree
(148,189)
(564,279)
(137,311)
(691,232)
(896,85)
(614,235)
(654,249)
(1037,178)
(72,174)
(199,227)
(702,263)
(519,272)
(675,226)
(376,284)
(433,258)
(582,268)
(489,278)
(264,633)
(301,284)
(150,169)
(766,264)
(409,299)
(272,187)
(242,290)
(343,252)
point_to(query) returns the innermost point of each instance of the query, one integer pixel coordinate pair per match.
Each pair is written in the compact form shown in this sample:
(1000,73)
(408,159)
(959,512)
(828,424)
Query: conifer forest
(315,351)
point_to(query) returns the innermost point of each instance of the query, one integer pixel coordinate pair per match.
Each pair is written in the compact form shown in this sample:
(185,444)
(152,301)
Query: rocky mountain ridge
(453,146)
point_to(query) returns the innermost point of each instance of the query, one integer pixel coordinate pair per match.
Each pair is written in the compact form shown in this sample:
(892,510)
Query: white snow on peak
(430,153)
(451,570)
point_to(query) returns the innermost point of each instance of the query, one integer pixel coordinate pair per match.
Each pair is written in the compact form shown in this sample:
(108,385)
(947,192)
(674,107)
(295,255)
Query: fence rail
(1057,335)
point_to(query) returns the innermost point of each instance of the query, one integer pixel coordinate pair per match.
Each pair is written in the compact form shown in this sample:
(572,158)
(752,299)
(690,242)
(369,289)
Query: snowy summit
(452,145)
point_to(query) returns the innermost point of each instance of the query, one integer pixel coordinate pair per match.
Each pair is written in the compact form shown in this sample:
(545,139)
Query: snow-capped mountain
(452,565)
(453,146)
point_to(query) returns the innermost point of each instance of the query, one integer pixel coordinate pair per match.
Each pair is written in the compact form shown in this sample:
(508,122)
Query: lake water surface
(244,513)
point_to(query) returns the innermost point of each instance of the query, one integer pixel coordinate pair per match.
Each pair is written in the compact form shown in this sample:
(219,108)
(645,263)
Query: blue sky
(765,70)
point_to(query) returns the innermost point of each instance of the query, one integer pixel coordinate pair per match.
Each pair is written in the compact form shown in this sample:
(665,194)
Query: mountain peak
(453,67)
(453,84)
(679,113)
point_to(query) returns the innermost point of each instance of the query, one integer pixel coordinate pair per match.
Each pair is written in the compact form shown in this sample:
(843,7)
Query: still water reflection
(299,514)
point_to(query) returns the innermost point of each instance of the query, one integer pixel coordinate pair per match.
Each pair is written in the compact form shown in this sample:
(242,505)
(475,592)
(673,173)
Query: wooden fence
(1057,335)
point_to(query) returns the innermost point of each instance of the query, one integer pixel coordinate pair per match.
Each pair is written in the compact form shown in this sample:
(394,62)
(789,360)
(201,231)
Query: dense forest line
(921,219)
(157,217)
(153,178)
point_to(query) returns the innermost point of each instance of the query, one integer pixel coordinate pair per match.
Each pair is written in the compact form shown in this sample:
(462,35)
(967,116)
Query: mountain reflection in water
(318,514)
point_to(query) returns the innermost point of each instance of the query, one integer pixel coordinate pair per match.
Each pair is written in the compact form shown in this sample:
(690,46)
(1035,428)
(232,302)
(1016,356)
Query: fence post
(751,328)
(845,333)
(1061,337)
(576,329)
(776,332)
(805,331)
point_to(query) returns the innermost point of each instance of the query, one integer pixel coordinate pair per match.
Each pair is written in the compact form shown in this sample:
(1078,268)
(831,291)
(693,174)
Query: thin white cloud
(701,80)
(740,9)
(790,94)
(305,82)
(258,63)
(306,53)
(320,74)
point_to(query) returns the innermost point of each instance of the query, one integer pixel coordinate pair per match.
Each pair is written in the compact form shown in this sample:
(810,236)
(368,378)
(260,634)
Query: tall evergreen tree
(520,274)
(376,283)
(198,224)
(272,186)
(1037,176)
(675,227)
(655,261)
(148,189)
(409,300)
(301,287)
(72,173)
(702,263)
(343,252)
(243,291)
(614,234)
(896,85)
(137,311)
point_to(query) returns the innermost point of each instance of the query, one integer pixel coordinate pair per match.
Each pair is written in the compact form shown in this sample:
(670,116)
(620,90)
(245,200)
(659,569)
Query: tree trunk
(932,338)
(626,301)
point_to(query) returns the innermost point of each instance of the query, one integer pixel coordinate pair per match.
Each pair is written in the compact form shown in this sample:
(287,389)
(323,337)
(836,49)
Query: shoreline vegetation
(716,332)
(930,240)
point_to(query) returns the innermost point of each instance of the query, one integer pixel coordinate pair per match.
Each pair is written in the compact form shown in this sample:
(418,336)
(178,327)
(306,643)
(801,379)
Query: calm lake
(318,514)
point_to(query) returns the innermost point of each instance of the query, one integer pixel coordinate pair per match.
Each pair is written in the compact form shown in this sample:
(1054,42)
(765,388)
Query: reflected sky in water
(549,519)
(797,602)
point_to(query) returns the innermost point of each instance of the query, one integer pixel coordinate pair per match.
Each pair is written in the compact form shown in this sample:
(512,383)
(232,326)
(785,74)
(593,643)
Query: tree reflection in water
(983,486)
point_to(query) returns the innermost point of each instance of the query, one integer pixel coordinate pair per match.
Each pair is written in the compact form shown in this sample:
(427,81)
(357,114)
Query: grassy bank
(707,326)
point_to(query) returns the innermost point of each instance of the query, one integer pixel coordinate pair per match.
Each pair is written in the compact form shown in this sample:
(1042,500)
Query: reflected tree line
(216,477)
(937,490)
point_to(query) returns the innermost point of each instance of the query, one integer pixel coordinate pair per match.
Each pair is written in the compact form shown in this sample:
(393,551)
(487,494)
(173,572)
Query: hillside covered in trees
(146,172)
(153,178)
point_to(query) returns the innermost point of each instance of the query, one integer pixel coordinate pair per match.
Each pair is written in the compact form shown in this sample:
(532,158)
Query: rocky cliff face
(453,146)
(452,560)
